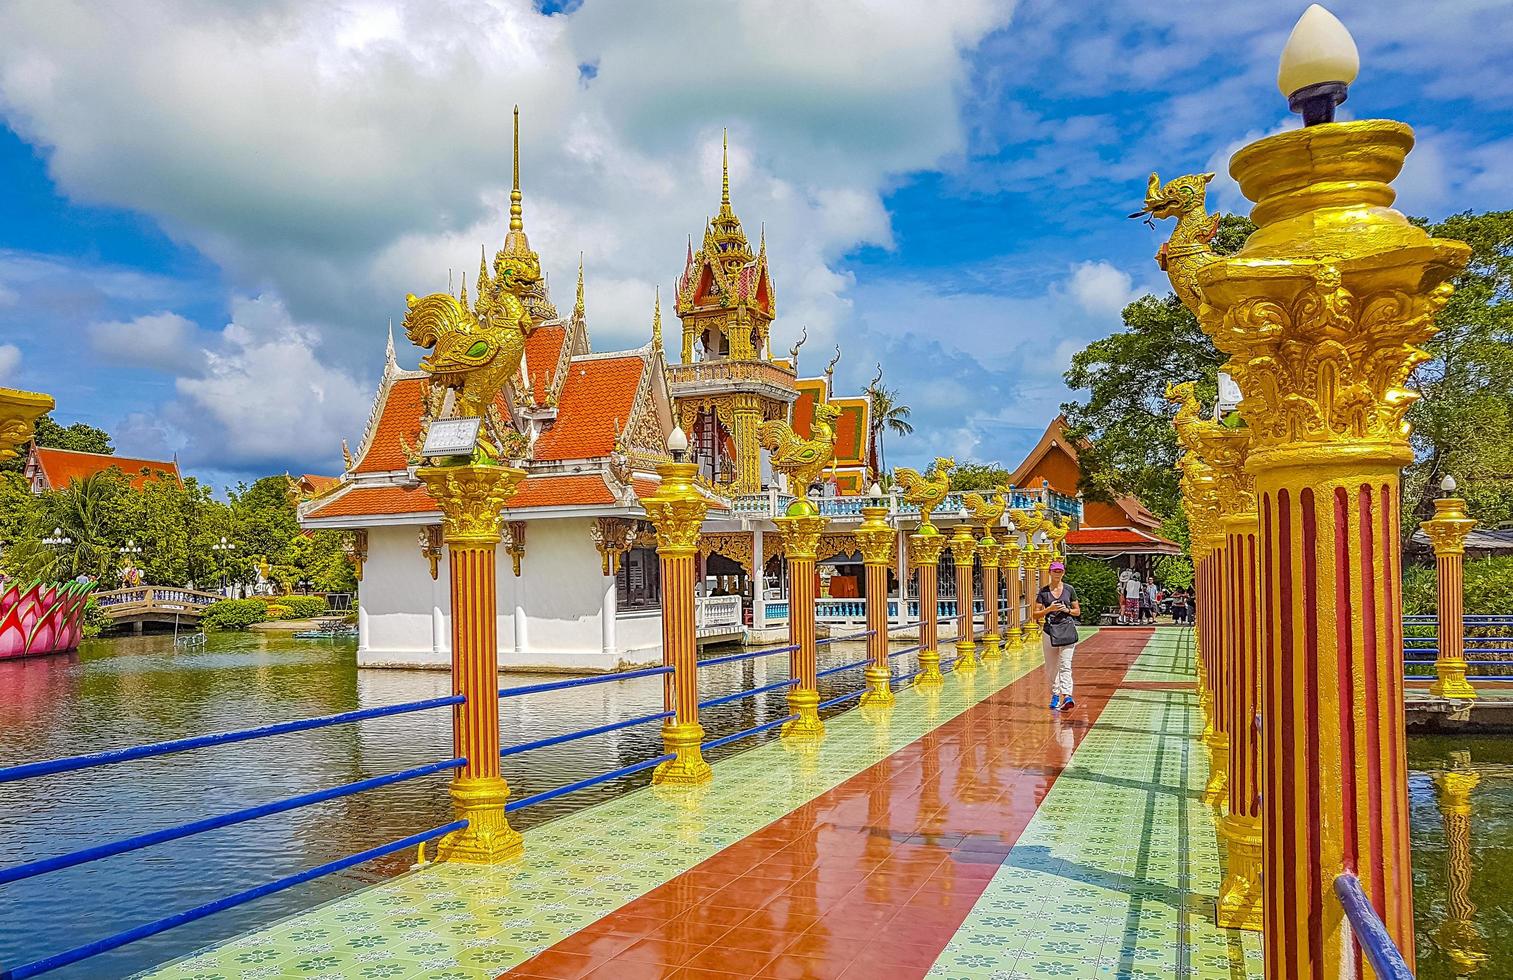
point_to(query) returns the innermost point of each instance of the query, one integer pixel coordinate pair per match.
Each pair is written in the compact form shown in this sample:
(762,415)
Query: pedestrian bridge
(159,605)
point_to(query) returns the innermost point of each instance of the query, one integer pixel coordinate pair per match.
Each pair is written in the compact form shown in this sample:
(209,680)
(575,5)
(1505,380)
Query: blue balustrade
(1370,932)
(1488,648)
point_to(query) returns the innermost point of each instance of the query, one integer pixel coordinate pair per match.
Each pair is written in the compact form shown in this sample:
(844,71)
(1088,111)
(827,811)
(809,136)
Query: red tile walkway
(872,878)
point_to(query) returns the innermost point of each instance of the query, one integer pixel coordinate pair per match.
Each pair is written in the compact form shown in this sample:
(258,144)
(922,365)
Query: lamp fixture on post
(677,444)
(58,539)
(1447,486)
(1318,64)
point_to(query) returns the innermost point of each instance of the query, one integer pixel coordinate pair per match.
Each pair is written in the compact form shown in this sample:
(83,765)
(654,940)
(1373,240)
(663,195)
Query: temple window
(638,584)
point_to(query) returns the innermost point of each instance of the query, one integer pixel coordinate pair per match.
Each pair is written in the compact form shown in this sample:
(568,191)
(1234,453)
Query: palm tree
(85,512)
(889,415)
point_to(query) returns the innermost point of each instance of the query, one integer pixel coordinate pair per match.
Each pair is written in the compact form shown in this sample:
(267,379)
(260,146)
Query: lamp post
(1447,531)
(875,537)
(987,550)
(801,528)
(1009,565)
(925,547)
(1322,314)
(222,549)
(963,547)
(677,512)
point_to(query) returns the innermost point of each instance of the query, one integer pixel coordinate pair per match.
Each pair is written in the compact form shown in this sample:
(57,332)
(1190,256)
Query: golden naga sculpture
(802,460)
(927,491)
(1188,248)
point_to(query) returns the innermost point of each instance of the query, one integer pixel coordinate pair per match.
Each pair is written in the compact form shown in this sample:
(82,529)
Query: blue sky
(212,211)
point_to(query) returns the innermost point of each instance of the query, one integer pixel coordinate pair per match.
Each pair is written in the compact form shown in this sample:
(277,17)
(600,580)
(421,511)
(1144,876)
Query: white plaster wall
(639,633)
(398,596)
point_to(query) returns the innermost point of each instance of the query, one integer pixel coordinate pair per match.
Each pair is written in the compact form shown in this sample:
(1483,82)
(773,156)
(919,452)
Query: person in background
(1148,601)
(1056,609)
(1132,589)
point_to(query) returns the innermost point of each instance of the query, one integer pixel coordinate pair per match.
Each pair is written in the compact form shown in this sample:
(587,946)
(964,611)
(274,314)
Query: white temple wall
(407,615)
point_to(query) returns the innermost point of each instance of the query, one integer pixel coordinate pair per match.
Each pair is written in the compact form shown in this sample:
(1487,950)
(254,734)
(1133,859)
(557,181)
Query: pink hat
(1057,566)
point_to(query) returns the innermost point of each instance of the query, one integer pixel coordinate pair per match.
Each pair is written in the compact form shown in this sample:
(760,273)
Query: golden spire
(516,222)
(483,271)
(656,322)
(725,171)
(578,306)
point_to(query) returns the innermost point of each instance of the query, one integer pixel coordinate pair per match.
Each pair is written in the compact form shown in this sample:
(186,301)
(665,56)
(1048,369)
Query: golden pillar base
(488,838)
(1240,895)
(804,702)
(1027,634)
(929,670)
(684,740)
(966,655)
(1216,793)
(879,687)
(992,647)
(1451,682)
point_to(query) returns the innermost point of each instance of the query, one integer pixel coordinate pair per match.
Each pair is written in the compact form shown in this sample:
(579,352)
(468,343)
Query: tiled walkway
(938,841)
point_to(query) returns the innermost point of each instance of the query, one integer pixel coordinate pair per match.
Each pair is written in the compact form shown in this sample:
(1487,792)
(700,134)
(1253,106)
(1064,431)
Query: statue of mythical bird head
(1189,248)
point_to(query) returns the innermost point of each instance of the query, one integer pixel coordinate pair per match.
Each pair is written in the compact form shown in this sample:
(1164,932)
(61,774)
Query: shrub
(1097,586)
(95,621)
(234,614)
(276,611)
(303,606)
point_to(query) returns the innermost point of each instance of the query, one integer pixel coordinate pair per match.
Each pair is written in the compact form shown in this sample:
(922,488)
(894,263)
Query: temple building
(578,575)
(55,469)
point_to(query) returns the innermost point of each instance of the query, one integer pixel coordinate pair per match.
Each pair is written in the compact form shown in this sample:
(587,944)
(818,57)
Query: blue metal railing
(42,866)
(1489,648)
(623,675)
(1370,932)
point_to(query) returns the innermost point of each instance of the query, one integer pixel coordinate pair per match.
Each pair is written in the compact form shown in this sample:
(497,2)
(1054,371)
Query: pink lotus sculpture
(42,618)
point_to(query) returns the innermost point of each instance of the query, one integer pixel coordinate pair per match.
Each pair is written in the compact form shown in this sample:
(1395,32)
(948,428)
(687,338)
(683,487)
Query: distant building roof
(54,469)
(1109,542)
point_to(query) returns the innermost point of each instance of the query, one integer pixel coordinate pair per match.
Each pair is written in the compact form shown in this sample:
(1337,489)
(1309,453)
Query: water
(1445,932)
(122,692)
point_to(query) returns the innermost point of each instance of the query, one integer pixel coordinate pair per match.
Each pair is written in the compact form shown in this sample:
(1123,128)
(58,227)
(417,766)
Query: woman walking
(1056,607)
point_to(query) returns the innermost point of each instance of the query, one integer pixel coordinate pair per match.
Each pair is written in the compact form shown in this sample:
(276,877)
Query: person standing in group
(1131,599)
(1148,601)
(1057,609)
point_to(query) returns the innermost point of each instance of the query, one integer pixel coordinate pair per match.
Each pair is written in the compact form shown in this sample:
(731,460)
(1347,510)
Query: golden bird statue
(985,510)
(1190,246)
(926,490)
(802,460)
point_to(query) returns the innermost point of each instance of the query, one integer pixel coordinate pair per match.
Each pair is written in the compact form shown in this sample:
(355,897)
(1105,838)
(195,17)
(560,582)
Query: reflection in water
(1462,826)
(132,690)
(1458,936)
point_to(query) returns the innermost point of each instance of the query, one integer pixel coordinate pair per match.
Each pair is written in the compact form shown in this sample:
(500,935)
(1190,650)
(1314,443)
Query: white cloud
(1099,288)
(342,155)
(267,395)
(10,359)
(162,341)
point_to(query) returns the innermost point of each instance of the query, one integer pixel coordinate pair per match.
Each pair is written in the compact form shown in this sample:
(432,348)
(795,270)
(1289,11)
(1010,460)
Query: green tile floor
(447,921)
(1117,872)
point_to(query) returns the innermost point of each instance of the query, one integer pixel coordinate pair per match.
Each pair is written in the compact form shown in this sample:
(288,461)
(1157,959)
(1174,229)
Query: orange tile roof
(60,467)
(401,417)
(543,348)
(596,395)
(315,483)
(561,491)
(1103,538)
(374,501)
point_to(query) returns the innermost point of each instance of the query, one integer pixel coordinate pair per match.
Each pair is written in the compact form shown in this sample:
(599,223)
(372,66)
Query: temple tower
(728,383)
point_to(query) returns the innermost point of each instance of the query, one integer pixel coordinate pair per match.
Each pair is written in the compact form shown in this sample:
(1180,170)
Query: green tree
(1463,424)
(1125,420)
(90,514)
(970,475)
(79,437)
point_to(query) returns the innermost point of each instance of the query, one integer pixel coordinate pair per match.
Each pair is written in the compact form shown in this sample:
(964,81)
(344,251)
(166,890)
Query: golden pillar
(925,548)
(1240,894)
(1029,631)
(801,537)
(677,511)
(1458,936)
(876,538)
(1008,564)
(1447,531)
(19,411)
(1322,313)
(987,547)
(745,421)
(963,547)
(470,498)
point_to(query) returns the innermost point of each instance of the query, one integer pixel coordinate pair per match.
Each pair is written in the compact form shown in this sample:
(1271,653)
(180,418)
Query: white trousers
(1058,666)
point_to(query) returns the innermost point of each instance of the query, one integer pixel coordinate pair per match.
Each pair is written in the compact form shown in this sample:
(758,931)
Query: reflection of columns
(962,550)
(875,539)
(677,511)
(1008,562)
(470,498)
(1322,313)
(1240,894)
(801,538)
(987,548)
(1458,936)
(924,552)
(1447,531)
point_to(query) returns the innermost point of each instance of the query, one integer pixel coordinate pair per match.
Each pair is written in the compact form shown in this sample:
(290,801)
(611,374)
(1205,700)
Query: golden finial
(483,271)
(725,170)
(656,322)
(463,299)
(516,224)
(578,305)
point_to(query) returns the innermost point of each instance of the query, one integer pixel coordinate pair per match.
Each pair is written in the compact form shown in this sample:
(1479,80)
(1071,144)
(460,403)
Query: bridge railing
(156,596)
(1488,646)
(122,845)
